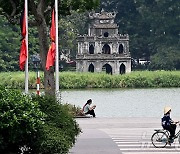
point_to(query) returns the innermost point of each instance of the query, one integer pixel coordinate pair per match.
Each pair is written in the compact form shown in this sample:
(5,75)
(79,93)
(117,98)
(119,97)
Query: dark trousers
(91,112)
(172,129)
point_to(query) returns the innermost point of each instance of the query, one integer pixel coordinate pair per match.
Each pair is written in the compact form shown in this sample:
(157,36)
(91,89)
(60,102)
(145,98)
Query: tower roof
(102,15)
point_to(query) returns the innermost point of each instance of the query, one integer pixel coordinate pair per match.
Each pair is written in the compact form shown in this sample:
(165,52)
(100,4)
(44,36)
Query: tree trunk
(49,80)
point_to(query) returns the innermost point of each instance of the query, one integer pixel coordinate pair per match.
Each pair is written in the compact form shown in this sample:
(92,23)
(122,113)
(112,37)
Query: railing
(102,56)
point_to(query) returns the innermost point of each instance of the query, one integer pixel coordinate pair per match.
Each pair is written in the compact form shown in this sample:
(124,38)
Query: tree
(10,44)
(129,20)
(60,129)
(8,38)
(35,124)
(21,120)
(39,15)
(150,24)
(166,58)
(69,28)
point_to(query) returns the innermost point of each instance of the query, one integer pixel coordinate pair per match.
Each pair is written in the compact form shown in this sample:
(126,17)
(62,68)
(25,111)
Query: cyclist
(168,123)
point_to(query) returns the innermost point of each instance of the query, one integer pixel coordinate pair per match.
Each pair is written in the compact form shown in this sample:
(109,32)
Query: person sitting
(89,110)
(169,124)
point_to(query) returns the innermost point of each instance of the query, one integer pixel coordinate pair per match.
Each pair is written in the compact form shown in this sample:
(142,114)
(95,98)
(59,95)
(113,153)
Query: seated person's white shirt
(86,108)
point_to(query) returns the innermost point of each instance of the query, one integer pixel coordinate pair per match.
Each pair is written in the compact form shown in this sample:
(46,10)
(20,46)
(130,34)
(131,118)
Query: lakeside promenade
(120,136)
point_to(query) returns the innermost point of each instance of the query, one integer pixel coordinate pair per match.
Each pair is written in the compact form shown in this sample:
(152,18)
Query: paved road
(119,136)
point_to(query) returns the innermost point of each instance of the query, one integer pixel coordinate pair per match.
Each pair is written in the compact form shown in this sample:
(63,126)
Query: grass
(77,80)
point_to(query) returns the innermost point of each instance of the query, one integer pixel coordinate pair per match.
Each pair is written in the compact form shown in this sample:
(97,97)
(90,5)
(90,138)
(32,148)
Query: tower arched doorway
(91,68)
(122,69)
(107,68)
(106,49)
(91,49)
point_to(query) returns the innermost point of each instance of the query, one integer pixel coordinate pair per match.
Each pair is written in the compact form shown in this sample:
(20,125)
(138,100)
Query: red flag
(23,49)
(23,24)
(23,54)
(51,52)
(50,56)
(53,28)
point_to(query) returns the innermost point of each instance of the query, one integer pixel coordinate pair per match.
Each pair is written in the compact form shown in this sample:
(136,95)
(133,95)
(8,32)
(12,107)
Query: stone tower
(103,49)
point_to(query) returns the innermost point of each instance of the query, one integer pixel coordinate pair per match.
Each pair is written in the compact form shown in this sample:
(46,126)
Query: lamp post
(36,61)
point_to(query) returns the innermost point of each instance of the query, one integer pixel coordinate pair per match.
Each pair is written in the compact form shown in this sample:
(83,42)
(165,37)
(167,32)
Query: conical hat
(167,109)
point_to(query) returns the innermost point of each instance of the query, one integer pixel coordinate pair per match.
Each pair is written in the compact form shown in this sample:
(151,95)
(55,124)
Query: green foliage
(73,110)
(65,6)
(153,27)
(9,39)
(16,80)
(74,80)
(167,58)
(35,124)
(10,45)
(155,79)
(151,24)
(137,79)
(60,129)
(21,120)
(69,27)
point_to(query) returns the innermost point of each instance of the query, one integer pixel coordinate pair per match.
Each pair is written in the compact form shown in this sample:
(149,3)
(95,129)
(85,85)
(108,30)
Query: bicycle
(160,138)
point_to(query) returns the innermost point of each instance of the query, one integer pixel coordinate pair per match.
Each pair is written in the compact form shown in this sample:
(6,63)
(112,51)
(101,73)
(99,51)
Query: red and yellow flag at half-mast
(52,49)
(23,48)
(53,27)
(51,56)
(23,54)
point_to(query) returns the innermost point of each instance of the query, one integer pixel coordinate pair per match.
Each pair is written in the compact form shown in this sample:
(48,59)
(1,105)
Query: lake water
(127,102)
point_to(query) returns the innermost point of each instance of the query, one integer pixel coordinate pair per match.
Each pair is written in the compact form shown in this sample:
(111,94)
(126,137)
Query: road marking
(148,148)
(147,152)
(138,141)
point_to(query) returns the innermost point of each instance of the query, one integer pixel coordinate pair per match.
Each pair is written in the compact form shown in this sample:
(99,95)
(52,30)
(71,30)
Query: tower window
(121,48)
(106,34)
(106,49)
(91,49)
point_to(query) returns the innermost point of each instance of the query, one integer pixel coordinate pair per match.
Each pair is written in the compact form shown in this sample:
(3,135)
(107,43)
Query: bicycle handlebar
(177,122)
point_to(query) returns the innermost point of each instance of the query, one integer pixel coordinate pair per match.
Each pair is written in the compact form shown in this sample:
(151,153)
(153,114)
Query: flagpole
(26,64)
(57,52)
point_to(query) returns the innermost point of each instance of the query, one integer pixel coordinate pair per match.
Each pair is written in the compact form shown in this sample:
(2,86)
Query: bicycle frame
(160,138)
(177,134)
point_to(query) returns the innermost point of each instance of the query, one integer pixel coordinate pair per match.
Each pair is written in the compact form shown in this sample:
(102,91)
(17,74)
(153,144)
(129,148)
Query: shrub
(20,122)
(74,110)
(75,80)
(60,129)
(32,124)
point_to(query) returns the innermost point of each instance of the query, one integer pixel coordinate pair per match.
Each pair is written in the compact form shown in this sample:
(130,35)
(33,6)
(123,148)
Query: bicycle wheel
(159,139)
